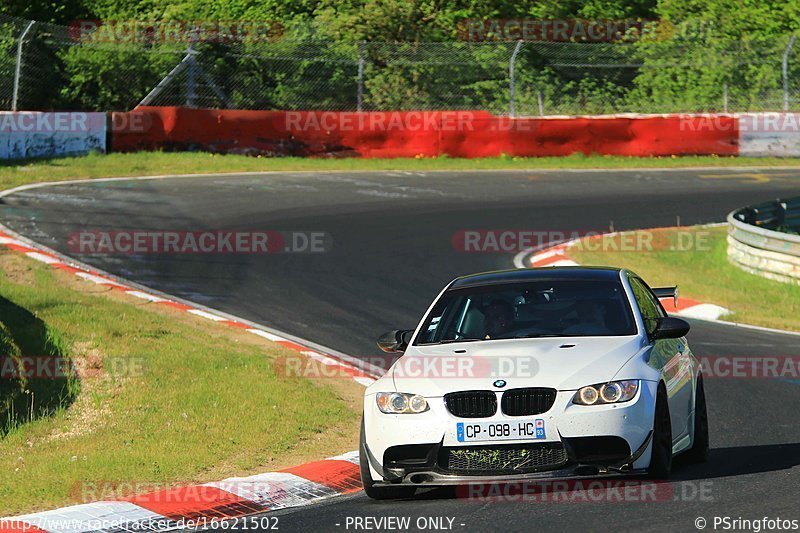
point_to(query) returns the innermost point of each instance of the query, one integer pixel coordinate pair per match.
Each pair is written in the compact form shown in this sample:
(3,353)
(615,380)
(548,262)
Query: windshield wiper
(538,335)
(450,341)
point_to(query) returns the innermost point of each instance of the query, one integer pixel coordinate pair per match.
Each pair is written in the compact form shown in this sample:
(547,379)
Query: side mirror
(395,341)
(671,328)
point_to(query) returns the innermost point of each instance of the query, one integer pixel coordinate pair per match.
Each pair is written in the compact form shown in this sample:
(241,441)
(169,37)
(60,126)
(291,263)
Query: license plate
(517,430)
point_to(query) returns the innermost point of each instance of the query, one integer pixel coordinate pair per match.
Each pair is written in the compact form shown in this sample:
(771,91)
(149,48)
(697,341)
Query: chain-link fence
(49,67)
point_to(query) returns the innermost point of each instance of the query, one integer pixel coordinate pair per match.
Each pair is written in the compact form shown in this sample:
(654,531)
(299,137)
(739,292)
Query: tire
(661,454)
(698,453)
(377,493)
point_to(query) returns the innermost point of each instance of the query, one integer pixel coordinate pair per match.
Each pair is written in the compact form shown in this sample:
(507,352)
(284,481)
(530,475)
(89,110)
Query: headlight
(400,403)
(613,392)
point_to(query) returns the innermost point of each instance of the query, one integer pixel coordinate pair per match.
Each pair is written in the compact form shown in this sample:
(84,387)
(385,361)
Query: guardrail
(764,239)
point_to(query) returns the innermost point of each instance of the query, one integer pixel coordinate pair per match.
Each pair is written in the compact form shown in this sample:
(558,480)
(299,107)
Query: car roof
(521,275)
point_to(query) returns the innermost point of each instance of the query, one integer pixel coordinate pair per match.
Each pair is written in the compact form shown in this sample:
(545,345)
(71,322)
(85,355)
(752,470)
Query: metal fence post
(191,81)
(725,97)
(511,84)
(18,68)
(785,69)
(781,211)
(541,102)
(155,91)
(360,93)
(191,72)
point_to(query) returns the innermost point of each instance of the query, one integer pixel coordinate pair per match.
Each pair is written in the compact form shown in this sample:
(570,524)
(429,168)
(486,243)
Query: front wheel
(382,492)
(661,455)
(698,453)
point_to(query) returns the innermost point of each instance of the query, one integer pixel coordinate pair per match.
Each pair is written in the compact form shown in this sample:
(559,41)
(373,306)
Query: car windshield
(541,308)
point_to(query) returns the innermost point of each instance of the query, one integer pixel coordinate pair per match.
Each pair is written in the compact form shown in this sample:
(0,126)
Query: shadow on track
(740,461)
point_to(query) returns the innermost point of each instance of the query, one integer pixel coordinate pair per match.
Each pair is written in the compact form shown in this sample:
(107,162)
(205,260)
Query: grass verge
(160,397)
(703,273)
(13,174)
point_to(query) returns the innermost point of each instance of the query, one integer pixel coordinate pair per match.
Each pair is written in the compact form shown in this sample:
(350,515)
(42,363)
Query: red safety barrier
(626,136)
(417,133)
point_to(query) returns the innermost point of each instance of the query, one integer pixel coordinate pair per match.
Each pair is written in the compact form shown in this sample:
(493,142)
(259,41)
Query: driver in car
(498,319)
(592,319)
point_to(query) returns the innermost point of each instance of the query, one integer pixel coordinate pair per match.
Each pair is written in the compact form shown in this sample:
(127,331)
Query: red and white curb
(558,255)
(198,506)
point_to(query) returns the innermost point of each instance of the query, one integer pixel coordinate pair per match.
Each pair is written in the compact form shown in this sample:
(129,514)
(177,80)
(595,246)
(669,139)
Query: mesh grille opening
(502,459)
(530,401)
(471,404)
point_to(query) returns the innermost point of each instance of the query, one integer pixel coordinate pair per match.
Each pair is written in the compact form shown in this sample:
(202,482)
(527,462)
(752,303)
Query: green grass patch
(25,343)
(151,163)
(704,273)
(162,399)
(12,384)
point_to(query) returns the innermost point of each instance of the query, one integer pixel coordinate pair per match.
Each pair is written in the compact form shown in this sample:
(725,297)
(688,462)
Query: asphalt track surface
(392,235)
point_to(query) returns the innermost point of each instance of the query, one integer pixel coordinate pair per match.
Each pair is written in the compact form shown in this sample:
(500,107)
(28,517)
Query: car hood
(564,363)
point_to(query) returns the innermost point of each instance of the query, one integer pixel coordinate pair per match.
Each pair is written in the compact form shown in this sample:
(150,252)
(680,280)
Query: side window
(648,305)
(444,320)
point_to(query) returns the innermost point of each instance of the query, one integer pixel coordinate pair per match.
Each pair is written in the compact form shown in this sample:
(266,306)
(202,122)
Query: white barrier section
(769,134)
(28,134)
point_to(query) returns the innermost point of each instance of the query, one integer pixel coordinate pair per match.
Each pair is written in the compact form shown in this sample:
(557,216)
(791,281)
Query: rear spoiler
(667,292)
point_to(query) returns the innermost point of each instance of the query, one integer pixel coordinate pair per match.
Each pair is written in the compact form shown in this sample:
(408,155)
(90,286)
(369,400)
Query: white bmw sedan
(534,373)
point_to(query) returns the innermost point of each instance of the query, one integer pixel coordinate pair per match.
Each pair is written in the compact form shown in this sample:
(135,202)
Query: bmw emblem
(500,383)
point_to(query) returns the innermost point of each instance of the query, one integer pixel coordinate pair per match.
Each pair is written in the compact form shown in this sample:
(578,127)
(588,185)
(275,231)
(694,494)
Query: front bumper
(603,440)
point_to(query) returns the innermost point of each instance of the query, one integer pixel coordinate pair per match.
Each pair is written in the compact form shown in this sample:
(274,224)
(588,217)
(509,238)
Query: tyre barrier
(764,239)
